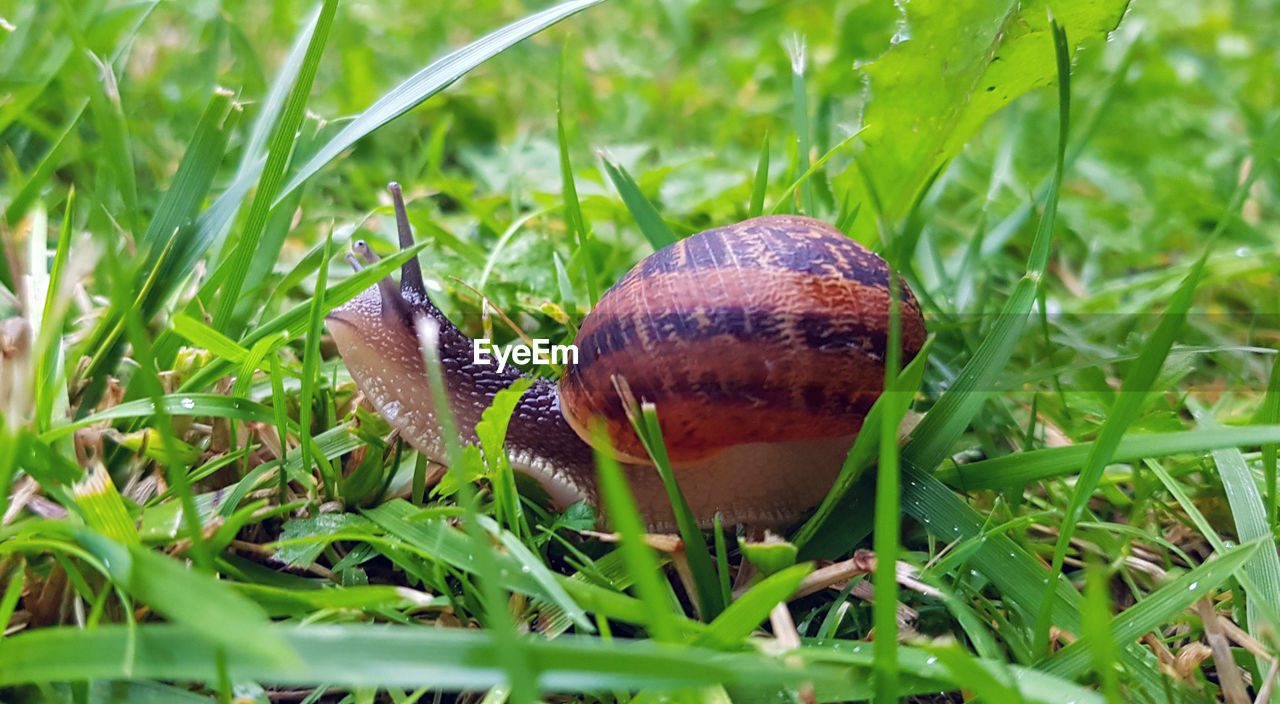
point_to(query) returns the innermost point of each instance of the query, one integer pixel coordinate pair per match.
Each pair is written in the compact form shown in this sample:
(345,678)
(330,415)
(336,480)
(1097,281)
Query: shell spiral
(769,330)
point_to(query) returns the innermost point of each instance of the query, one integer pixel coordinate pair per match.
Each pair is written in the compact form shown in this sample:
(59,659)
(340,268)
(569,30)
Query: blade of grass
(645,214)
(279,148)
(388,656)
(163,245)
(48,350)
(624,518)
(1270,414)
(569,192)
(1129,403)
(780,205)
(310,362)
(644,419)
(1096,617)
(436,76)
(929,674)
(214,405)
(1154,609)
(1035,465)
(800,118)
(209,609)
(761,181)
(888,522)
(1249,513)
(751,609)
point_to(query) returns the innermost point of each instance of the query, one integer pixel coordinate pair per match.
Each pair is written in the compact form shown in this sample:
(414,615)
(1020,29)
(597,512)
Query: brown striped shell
(766,331)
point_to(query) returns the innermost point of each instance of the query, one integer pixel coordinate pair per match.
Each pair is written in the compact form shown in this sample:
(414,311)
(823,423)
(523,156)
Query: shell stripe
(818,330)
(770,247)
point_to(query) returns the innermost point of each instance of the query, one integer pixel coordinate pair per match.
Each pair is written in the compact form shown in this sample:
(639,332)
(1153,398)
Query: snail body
(761,344)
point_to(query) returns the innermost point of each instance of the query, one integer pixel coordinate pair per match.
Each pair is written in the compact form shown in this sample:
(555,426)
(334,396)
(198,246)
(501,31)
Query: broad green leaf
(953,65)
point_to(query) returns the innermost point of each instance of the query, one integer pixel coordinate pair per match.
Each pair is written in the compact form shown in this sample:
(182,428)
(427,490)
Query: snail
(760,343)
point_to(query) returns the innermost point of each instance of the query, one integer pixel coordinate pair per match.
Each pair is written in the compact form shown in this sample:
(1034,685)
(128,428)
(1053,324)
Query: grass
(1079,506)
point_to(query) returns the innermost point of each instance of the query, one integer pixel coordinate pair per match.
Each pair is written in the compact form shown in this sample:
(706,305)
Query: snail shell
(764,331)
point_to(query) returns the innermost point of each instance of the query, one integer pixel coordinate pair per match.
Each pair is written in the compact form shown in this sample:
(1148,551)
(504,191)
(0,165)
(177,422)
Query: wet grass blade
(1129,403)
(214,405)
(1154,609)
(1249,513)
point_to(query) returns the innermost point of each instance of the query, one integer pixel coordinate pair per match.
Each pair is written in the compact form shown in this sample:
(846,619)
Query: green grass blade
(746,613)
(1128,405)
(214,613)
(310,362)
(926,673)
(645,214)
(864,450)
(1249,513)
(430,80)
(1035,465)
(624,518)
(214,405)
(800,118)
(166,253)
(761,181)
(1156,608)
(781,205)
(1270,414)
(949,417)
(888,523)
(574,220)
(705,581)
(278,152)
(450,659)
